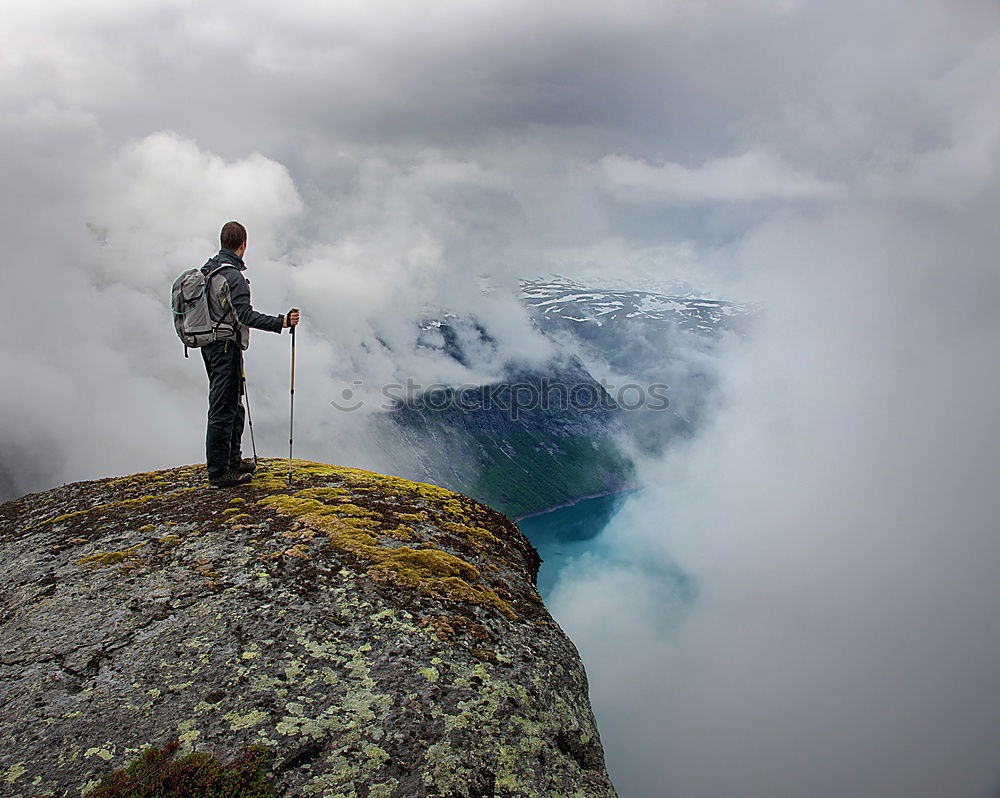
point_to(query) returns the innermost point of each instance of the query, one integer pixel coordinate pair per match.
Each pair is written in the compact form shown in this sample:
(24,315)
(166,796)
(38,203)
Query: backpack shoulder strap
(218,269)
(230,310)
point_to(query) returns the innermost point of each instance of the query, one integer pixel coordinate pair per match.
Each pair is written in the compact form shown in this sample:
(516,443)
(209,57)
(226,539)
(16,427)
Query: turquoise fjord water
(568,532)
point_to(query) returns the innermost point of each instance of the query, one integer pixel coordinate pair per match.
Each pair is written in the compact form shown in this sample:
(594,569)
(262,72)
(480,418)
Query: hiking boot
(230,480)
(243,467)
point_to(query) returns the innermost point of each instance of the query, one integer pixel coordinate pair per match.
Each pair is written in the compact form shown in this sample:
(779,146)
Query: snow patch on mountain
(563,299)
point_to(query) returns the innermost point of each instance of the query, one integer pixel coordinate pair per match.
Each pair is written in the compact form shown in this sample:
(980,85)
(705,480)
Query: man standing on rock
(224,364)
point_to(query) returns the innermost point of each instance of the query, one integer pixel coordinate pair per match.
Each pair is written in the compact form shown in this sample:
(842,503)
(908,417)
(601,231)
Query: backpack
(203,312)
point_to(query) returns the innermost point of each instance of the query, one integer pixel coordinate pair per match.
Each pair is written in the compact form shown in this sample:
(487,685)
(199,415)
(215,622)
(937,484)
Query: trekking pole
(246,396)
(291,409)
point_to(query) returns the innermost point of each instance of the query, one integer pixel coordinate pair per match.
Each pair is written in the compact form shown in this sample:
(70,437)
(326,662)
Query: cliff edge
(371,636)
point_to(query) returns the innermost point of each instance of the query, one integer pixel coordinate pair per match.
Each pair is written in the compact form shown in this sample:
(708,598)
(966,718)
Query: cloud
(158,192)
(742,178)
(837,523)
(172,168)
(960,161)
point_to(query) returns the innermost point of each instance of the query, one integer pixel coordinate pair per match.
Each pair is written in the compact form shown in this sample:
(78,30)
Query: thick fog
(835,629)
(837,524)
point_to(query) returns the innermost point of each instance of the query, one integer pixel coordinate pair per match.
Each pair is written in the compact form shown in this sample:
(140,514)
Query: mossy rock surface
(378,637)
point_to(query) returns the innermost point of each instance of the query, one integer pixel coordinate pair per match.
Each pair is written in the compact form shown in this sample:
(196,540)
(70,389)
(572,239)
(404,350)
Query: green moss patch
(157,774)
(357,530)
(112,557)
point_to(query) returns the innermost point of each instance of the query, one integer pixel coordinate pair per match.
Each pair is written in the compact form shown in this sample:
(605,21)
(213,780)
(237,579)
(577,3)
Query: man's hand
(291,318)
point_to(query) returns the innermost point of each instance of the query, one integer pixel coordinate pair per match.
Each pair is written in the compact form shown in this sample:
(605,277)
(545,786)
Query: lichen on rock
(375,636)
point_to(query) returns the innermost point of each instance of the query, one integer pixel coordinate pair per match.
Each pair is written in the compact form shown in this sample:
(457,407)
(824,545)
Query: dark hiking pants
(224,364)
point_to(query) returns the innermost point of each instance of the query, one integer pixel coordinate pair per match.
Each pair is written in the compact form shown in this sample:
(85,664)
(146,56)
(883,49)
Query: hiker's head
(234,237)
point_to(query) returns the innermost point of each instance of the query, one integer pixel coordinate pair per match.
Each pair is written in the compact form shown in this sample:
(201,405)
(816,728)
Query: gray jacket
(239,294)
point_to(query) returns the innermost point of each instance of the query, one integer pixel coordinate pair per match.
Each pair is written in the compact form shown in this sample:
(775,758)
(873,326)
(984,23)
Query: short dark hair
(232,236)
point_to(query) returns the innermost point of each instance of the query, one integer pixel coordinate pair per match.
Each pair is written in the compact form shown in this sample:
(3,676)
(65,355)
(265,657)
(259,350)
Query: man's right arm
(239,295)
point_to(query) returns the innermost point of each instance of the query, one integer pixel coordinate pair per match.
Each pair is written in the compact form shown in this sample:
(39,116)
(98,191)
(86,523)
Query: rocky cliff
(352,634)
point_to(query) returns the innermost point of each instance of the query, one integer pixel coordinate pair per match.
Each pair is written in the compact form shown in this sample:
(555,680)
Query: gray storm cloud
(835,632)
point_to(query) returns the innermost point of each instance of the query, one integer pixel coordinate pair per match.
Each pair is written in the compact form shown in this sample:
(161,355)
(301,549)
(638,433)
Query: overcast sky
(836,162)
